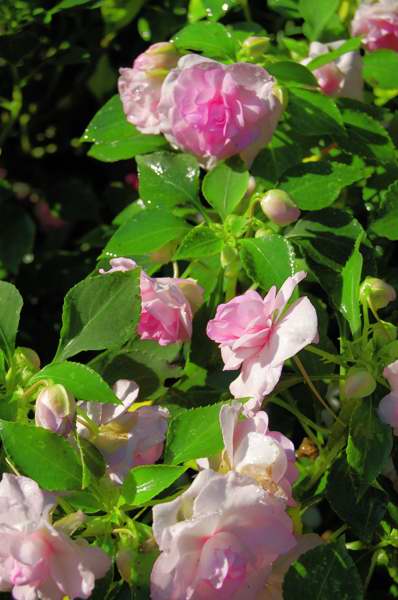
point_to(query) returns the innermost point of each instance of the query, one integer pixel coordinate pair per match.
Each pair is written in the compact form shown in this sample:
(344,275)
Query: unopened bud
(55,409)
(70,522)
(124,561)
(251,186)
(279,207)
(384,333)
(27,358)
(255,45)
(192,292)
(359,383)
(158,60)
(376,292)
(282,95)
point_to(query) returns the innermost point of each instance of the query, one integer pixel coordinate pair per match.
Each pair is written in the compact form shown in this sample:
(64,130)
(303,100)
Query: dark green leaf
(369,443)
(199,242)
(284,151)
(146,482)
(359,505)
(292,74)
(380,68)
(386,221)
(167,179)
(316,185)
(193,434)
(100,312)
(213,39)
(351,279)
(224,187)
(366,137)
(313,113)
(116,139)
(17,232)
(44,456)
(326,572)
(10,309)
(83,382)
(268,260)
(147,231)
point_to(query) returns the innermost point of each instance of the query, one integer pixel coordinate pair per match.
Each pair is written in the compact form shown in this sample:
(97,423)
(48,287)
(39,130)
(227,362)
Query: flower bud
(255,45)
(55,409)
(376,292)
(27,358)
(384,333)
(279,207)
(359,383)
(251,186)
(158,59)
(124,561)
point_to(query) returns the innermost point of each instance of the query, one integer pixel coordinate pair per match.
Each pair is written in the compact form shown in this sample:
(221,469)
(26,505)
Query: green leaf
(328,57)
(167,179)
(351,279)
(213,39)
(326,572)
(369,443)
(316,185)
(92,457)
(357,504)
(380,68)
(287,8)
(386,221)
(83,382)
(44,456)
(199,242)
(10,308)
(317,14)
(146,482)
(313,113)
(66,4)
(366,137)
(292,74)
(116,139)
(17,232)
(100,312)
(224,186)
(268,260)
(193,434)
(145,232)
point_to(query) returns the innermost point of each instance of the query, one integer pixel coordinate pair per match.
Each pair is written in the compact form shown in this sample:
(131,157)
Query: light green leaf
(167,179)
(80,380)
(10,309)
(351,279)
(44,456)
(100,312)
(145,232)
(380,68)
(317,14)
(369,443)
(199,242)
(268,260)
(225,185)
(116,139)
(193,434)
(146,482)
(213,39)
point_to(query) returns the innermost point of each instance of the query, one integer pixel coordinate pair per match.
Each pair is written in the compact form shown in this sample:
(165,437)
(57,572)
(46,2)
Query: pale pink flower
(253,450)
(140,87)
(279,207)
(125,438)
(167,304)
(274,585)
(377,23)
(218,540)
(215,111)
(37,561)
(388,407)
(341,77)
(258,335)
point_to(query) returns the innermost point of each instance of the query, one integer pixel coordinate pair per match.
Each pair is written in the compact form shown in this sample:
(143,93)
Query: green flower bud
(384,333)
(255,46)
(55,409)
(279,207)
(376,292)
(359,383)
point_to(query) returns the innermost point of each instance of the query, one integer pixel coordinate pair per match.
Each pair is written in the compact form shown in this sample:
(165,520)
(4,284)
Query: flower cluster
(203,107)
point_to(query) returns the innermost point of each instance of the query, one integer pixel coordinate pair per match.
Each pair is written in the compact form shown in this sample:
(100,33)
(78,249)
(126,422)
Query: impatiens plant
(219,418)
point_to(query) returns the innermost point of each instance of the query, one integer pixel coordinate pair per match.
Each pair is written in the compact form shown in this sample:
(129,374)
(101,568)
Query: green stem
(246,10)
(305,422)
(333,358)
